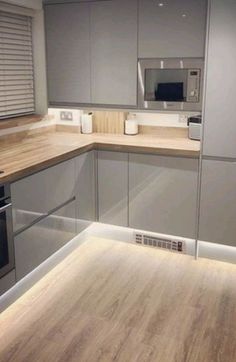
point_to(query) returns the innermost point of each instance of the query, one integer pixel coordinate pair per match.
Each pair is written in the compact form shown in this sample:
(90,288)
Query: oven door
(170,84)
(7,261)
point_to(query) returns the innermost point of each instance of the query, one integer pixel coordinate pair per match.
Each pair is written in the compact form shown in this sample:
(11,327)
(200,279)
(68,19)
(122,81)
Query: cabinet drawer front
(218,202)
(163,194)
(42,192)
(37,243)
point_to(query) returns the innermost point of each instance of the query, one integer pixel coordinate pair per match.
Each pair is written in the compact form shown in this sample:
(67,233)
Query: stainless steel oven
(7,261)
(173,84)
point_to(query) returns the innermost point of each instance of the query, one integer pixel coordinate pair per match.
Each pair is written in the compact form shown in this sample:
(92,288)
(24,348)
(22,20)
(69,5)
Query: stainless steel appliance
(7,261)
(194,127)
(173,84)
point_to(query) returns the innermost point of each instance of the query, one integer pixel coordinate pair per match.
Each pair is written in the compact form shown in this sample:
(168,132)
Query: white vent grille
(16,65)
(150,240)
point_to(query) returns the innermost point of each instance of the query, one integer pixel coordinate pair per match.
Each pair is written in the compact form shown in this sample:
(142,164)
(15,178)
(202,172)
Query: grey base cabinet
(40,193)
(113,188)
(7,281)
(44,238)
(163,194)
(218,202)
(85,189)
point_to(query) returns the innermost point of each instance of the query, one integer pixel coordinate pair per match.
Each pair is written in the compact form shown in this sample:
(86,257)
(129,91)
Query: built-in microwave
(173,84)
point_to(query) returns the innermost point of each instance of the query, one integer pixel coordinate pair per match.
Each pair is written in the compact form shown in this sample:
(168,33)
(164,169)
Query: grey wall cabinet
(44,238)
(114,52)
(176,29)
(86,188)
(163,194)
(219,118)
(68,52)
(113,188)
(92,52)
(218,202)
(36,195)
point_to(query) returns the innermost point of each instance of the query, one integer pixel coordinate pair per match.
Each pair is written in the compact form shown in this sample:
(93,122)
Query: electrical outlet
(66,116)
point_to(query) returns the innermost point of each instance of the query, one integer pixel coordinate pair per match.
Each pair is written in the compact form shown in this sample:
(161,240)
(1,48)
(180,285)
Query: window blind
(16,65)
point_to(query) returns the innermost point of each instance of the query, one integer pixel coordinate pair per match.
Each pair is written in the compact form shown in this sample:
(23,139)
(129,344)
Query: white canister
(87,123)
(131,127)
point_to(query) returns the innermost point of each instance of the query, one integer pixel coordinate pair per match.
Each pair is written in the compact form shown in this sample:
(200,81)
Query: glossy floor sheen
(112,301)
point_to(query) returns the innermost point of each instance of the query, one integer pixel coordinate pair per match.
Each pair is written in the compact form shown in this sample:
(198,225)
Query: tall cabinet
(218,186)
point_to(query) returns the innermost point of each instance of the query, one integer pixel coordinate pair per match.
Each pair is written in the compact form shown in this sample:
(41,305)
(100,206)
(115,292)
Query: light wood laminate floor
(112,301)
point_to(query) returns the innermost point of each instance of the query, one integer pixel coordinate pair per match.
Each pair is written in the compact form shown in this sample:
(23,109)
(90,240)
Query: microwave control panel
(193,85)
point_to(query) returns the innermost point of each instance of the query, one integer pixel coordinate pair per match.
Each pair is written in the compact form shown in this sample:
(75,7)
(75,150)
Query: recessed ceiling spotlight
(184,15)
(160,4)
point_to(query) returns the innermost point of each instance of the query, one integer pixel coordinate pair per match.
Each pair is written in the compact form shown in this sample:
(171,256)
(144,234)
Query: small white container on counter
(131,127)
(87,123)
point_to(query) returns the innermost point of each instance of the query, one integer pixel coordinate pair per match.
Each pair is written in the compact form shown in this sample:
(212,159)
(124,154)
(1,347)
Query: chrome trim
(4,208)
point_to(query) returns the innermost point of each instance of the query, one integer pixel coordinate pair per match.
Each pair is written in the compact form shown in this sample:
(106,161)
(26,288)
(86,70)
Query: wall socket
(66,116)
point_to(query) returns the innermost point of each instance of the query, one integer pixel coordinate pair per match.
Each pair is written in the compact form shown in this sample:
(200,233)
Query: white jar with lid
(131,125)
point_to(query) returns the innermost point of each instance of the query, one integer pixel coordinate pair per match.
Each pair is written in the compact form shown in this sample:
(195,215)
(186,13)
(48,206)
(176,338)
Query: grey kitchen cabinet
(85,188)
(114,52)
(113,188)
(68,1)
(218,202)
(174,28)
(36,195)
(7,281)
(163,194)
(44,238)
(68,52)
(219,117)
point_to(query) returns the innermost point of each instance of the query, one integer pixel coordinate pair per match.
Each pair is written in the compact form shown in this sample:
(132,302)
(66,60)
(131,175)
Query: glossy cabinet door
(36,195)
(7,281)
(219,118)
(175,29)
(85,189)
(218,202)
(113,188)
(114,52)
(41,240)
(68,52)
(163,194)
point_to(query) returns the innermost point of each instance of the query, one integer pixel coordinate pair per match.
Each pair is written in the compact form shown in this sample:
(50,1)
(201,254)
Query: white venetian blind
(16,65)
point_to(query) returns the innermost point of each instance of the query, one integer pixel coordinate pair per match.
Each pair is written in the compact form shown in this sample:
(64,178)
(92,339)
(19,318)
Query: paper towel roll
(87,123)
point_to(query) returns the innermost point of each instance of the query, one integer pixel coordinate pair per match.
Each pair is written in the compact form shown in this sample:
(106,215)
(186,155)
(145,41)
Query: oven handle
(4,208)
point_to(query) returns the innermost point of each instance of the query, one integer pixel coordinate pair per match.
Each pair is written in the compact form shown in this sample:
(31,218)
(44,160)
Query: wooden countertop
(24,156)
